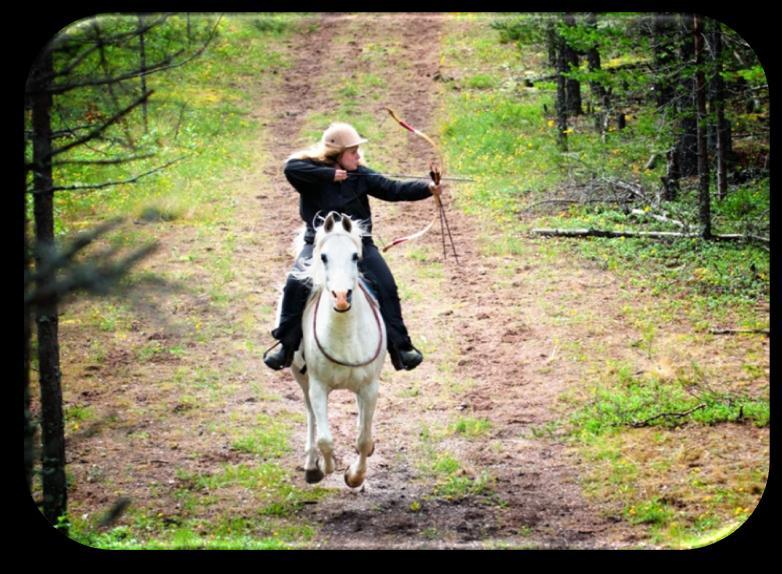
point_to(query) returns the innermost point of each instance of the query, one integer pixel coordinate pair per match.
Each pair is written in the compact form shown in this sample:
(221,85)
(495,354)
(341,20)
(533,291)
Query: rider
(330,176)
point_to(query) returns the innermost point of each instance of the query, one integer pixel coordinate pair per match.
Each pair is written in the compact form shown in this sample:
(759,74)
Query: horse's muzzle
(343,300)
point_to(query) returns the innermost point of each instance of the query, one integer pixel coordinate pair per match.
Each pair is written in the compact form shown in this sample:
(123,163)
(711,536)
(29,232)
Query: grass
(698,507)
(624,400)
(267,440)
(266,524)
(268,483)
(186,538)
(470,427)
(451,480)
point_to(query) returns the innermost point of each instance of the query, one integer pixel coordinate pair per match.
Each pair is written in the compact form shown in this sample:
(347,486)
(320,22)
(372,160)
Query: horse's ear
(329,223)
(346,224)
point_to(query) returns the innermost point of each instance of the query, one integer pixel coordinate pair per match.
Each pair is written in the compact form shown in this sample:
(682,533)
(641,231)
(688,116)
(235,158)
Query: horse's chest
(338,377)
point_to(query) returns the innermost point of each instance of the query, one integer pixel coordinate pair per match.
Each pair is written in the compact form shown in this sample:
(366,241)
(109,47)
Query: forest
(613,218)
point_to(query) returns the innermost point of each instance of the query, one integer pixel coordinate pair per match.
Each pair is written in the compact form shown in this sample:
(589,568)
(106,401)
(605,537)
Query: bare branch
(52,259)
(117,39)
(168,63)
(113,161)
(164,64)
(108,183)
(100,129)
(646,422)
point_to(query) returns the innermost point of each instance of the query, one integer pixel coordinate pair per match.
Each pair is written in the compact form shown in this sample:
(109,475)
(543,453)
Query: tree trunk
(704,201)
(687,145)
(599,93)
(562,109)
(52,423)
(664,58)
(671,179)
(717,107)
(143,65)
(552,40)
(29,427)
(573,87)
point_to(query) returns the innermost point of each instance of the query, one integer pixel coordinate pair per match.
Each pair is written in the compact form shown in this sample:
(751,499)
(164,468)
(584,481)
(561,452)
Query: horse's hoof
(314,475)
(352,483)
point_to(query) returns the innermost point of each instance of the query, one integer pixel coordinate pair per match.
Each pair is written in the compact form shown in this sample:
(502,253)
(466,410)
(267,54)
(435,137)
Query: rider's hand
(436,190)
(340,175)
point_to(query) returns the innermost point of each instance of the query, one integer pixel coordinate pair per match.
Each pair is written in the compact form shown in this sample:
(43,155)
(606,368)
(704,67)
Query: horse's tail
(302,271)
(298,241)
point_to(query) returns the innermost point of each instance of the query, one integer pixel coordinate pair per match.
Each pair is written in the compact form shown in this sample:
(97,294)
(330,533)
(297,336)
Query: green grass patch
(273,491)
(268,439)
(184,538)
(630,401)
(471,427)
(452,481)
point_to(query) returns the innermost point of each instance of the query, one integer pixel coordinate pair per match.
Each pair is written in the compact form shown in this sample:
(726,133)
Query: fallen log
(590,232)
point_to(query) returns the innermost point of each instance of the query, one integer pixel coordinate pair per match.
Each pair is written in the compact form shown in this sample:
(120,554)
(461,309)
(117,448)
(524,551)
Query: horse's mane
(311,271)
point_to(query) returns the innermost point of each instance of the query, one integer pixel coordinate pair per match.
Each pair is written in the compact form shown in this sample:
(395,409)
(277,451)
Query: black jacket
(320,194)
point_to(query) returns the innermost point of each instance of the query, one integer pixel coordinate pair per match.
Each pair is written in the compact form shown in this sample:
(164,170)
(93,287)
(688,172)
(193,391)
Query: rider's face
(349,159)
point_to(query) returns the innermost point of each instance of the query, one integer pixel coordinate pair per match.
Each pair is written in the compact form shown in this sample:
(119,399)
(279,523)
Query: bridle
(377,322)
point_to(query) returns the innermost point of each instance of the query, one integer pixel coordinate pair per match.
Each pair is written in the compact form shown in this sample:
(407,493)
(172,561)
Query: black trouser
(381,281)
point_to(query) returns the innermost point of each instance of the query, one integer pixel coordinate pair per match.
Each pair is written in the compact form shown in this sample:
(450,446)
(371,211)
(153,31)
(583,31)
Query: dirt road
(477,330)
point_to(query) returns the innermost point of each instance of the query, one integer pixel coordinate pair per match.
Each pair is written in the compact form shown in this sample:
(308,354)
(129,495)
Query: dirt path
(477,325)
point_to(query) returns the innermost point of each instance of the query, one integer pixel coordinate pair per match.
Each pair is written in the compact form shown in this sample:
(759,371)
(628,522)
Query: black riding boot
(279,359)
(288,332)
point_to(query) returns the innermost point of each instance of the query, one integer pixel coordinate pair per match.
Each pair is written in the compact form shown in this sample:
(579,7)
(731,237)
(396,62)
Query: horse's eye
(324,258)
(355,257)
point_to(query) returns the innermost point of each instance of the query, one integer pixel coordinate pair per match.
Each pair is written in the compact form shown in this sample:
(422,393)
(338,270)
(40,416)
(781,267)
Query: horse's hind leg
(365,445)
(312,472)
(319,401)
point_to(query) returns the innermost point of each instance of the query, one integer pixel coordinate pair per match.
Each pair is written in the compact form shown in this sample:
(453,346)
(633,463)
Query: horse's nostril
(334,293)
(350,292)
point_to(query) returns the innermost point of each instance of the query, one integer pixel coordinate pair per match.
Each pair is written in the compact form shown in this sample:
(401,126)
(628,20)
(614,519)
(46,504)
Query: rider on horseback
(322,176)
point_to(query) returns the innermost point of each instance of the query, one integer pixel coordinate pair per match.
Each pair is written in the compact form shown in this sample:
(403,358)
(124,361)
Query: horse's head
(338,249)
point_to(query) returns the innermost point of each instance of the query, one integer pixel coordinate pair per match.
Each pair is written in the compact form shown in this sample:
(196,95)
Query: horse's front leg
(319,399)
(365,445)
(312,472)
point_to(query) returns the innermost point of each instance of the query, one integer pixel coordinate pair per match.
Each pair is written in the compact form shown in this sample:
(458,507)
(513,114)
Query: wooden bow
(435,172)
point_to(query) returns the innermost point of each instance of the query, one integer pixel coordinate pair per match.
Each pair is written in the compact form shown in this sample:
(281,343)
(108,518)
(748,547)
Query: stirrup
(406,360)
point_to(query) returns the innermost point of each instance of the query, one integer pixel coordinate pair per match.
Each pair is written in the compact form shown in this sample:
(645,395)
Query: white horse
(343,345)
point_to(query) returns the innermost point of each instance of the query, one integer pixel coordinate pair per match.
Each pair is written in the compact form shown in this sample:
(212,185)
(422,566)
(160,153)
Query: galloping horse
(343,345)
